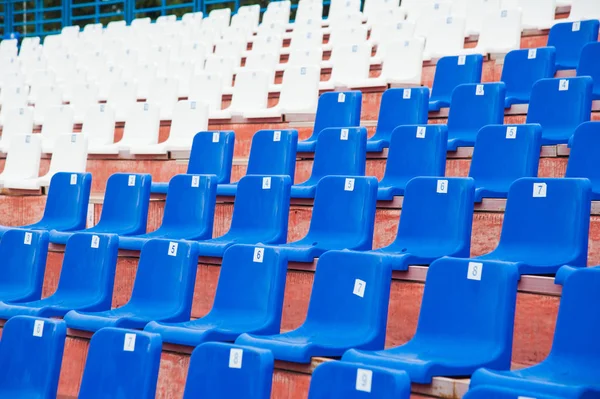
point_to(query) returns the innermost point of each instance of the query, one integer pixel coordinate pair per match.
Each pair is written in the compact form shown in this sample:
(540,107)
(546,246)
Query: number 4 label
(266,183)
(474,272)
(235,358)
(421,132)
(129,343)
(259,254)
(563,85)
(539,190)
(38,328)
(363,380)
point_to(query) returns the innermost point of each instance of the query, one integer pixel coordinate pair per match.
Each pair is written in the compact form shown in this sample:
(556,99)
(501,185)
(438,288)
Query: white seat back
(446,37)
(251,90)
(429,13)
(57,121)
(223,66)
(306,38)
(189,118)
(268,44)
(99,125)
(207,87)
(14,95)
(17,121)
(476,11)
(142,125)
(348,35)
(584,9)
(122,95)
(70,155)
(300,89)
(350,64)
(164,95)
(501,32)
(403,61)
(84,96)
(23,158)
(306,57)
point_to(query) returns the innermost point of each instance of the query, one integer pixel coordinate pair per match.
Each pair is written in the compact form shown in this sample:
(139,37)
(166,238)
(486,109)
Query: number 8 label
(235,358)
(475,270)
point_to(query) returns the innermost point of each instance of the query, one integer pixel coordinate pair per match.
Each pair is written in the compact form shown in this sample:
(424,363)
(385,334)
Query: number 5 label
(539,190)
(173,248)
(349,185)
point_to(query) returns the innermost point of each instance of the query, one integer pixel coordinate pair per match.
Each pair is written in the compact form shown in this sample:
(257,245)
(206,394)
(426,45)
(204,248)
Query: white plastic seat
(350,65)
(447,37)
(194,52)
(304,57)
(343,21)
(84,96)
(140,22)
(189,118)
(159,55)
(10,64)
(207,88)
(373,9)
(223,66)
(536,14)
(251,14)
(273,28)
(237,31)
(166,19)
(583,9)
(34,66)
(219,18)
(69,34)
(48,96)
(22,159)
(17,121)
(402,63)
(267,44)
(106,78)
(40,78)
(346,35)
(144,78)
(14,95)
(164,95)
(67,87)
(266,61)
(304,38)
(341,7)
(57,121)
(278,11)
(500,34)
(250,93)
(232,48)
(476,11)
(398,32)
(99,126)
(123,94)
(429,13)
(9,48)
(182,71)
(386,20)
(308,15)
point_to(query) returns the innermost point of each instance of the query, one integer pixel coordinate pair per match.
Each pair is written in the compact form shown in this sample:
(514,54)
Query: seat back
(99,125)
(212,154)
(451,72)
(306,37)
(343,380)
(124,362)
(261,207)
(590,57)
(57,120)
(14,94)
(23,157)
(207,88)
(308,56)
(122,95)
(583,160)
(522,68)
(69,155)
(447,36)
(164,92)
(67,200)
(337,110)
(501,30)
(263,60)
(189,118)
(348,32)
(232,47)
(267,44)
(273,152)
(351,63)
(85,95)
(584,9)
(31,354)
(17,121)
(428,13)
(214,365)
(569,38)
(340,151)
(222,65)
(126,202)
(400,107)
(537,15)
(387,18)
(251,90)
(300,89)
(560,105)
(142,124)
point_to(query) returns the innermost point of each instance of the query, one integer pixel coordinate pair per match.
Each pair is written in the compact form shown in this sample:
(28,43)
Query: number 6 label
(442,186)
(539,190)
(235,358)
(363,380)
(474,272)
(258,255)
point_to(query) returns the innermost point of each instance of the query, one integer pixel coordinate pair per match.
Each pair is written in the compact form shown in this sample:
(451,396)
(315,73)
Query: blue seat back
(453,71)
(67,200)
(212,154)
(340,151)
(351,292)
(493,392)
(569,38)
(522,68)
(344,210)
(31,354)
(401,107)
(166,276)
(505,153)
(416,151)
(548,213)
(337,109)
(23,262)
(191,203)
(252,283)
(273,152)
(259,210)
(126,202)
(438,210)
(88,268)
(583,159)
(121,364)
(343,380)
(471,302)
(588,66)
(219,370)
(560,105)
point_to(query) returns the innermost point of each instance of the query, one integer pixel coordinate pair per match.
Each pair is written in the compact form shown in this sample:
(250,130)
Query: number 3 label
(363,380)
(235,358)
(539,190)
(474,272)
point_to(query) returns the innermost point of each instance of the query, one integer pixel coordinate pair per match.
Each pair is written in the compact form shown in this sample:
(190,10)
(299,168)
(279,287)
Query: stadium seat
(350,65)
(503,154)
(339,151)
(446,38)
(414,151)
(14,94)
(124,210)
(17,122)
(334,110)
(273,152)
(207,87)
(248,299)
(500,32)
(304,38)
(386,32)
(188,214)
(86,280)
(584,10)
(48,96)
(164,95)
(22,160)
(40,76)
(465,322)
(121,363)
(266,44)
(85,95)
(583,156)
(343,217)
(262,60)
(590,57)
(569,38)
(388,19)
(348,31)
(560,105)
(402,62)
(99,126)
(348,308)
(23,254)
(144,77)
(181,70)
(31,353)
(487,392)
(162,291)
(474,106)
(260,215)
(398,107)
(250,93)
(451,72)
(303,57)
(545,226)
(522,68)
(538,15)
(427,15)
(342,380)
(214,366)
(122,97)
(571,368)
(212,154)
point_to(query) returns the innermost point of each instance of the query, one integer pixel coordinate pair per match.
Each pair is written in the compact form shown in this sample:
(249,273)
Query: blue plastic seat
(583,159)
(501,393)
(343,217)
(260,215)
(348,308)
(473,107)
(588,66)
(414,151)
(451,72)
(22,265)
(399,107)
(466,322)
(162,291)
(571,369)
(86,279)
(212,154)
(560,105)
(121,364)
(339,151)
(522,68)
(189,212)
(249,299)
(503,154)
(273,152)
(569,38)
(546,225)
(342,380)
(31,354)
(436,221)
(124,210)
(220,371)
(335,109)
